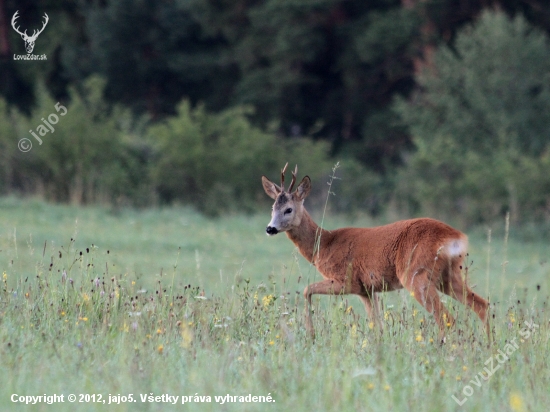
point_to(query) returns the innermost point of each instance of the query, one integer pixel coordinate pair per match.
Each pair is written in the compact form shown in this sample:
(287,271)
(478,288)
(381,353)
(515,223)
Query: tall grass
(224,315)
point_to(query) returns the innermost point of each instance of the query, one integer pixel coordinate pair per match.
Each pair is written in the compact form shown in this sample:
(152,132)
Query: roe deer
(422,255)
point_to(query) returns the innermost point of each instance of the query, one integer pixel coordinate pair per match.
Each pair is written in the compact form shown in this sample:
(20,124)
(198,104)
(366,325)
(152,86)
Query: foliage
(212,160)
(481,122)
(84,159)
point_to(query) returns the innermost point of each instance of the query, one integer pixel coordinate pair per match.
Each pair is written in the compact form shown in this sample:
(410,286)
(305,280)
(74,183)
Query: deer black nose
(270,230)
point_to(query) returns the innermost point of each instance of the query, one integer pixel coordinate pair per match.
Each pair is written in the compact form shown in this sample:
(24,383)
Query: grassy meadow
(166,302)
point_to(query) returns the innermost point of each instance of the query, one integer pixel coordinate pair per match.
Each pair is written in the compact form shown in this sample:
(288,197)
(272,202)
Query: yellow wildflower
(186,336)
(267,300)
(516,402)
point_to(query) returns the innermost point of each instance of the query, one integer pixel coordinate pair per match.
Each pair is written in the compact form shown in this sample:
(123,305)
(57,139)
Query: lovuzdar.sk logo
(29,40)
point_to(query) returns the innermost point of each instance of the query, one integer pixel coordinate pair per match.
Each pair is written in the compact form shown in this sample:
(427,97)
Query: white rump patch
(457,247)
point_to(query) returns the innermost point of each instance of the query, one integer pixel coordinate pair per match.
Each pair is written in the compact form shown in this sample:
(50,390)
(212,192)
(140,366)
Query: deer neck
(307,237)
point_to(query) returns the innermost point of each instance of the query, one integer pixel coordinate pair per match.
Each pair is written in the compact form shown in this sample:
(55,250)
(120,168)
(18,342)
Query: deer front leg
(373,309)
(325,287)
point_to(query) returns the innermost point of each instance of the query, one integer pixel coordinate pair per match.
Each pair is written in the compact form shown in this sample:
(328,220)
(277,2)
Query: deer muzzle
(270,230)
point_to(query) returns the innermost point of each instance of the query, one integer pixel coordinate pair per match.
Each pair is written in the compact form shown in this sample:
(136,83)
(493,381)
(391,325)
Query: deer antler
(36,33)
(14,18)
(293,179)
(283,177)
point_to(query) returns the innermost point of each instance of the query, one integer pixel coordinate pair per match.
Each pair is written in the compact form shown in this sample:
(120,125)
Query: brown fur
(422,255)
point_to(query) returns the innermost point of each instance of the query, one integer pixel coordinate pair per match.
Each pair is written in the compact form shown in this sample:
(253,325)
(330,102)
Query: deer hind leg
(457,288)
(424,290)
(372,306)
(325,287)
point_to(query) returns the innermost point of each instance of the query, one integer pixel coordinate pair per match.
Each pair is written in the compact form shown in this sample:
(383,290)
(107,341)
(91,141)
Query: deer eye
(289,210)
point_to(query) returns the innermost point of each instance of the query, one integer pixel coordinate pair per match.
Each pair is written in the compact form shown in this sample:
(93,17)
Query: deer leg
(457,288)
(373,308)
(325,287)
(425,292)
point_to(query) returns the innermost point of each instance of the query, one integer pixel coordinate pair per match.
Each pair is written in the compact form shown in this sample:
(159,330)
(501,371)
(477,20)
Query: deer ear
(303,188)
(271,189)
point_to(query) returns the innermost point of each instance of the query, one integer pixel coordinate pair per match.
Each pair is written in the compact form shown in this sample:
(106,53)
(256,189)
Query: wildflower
(419,337)
(370,385)
(364,344)
(371,325)
(186,335)
(458,378)
(387,387)
(442,373)
(83,319)
(353,331)
(464,368)
(4,276)
(267,300)
(160,349)
(431,340)
(348,310)
(271,343)
(516,402)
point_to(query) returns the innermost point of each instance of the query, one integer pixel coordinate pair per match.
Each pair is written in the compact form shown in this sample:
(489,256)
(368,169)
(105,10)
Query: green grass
(124,321)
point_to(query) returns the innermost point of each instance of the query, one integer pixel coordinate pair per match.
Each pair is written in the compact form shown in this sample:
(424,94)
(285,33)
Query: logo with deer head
(29,40)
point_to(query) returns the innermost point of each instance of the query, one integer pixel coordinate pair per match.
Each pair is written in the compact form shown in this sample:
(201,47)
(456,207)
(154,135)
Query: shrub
(86,159)
(215,161)
(480,122)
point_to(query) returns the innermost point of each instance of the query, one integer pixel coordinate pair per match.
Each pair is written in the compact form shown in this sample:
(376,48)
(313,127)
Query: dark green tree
(481,122)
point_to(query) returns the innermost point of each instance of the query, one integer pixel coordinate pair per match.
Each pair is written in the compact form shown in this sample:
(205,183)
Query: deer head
(288,208)
(29,40)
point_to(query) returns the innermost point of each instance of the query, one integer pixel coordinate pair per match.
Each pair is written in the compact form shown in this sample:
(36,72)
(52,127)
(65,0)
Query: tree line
(431,106)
